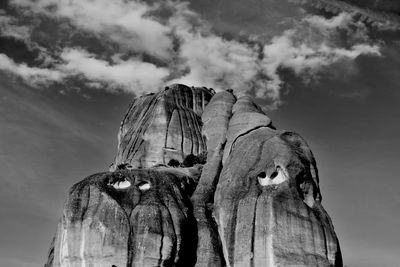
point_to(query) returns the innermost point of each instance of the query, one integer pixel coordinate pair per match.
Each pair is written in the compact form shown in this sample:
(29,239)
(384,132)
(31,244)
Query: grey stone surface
(267,205)
(128,218)
(163,126)
(239,193)
(216,120)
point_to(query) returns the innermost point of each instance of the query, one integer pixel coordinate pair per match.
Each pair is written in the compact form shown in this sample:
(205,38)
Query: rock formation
(163,126)
(254,201)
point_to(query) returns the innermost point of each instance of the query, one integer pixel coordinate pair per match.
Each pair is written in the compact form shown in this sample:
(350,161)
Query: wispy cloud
(306,60)
(128,23)
(33,75)
(9,27)
(133,74)
(163,42)
(378,19)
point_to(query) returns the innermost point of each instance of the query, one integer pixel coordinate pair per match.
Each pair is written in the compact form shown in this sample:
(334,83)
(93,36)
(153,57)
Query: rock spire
(200,179)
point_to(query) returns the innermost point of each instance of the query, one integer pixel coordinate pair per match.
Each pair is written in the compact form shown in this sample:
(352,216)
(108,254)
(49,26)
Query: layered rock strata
(255,201)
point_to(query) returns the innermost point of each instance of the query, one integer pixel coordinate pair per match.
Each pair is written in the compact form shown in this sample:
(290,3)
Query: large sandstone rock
(254,202)
(128,218)
(163,126)
(267,206)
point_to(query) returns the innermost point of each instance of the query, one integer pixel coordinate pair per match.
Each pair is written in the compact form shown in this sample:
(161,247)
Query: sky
(328,70)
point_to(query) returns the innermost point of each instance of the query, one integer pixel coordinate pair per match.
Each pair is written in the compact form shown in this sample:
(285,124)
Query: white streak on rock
(271,180)
(144,186)
(121,184)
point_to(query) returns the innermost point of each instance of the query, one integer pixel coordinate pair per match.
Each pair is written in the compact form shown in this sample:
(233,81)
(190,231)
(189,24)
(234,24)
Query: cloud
(213,61)
(9,27)
(364,11)
(127,23)
(167,42)
(33,75)
(307,60)
(339,21)
(210,60)
(132,75)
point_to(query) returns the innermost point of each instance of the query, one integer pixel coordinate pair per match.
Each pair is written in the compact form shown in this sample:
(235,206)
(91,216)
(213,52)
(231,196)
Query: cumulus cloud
(167,42)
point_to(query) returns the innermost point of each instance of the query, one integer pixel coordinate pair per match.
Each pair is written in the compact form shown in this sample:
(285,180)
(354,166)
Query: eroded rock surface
(128,218)
(255,201)
(216,118)
(267,207)
(163,126)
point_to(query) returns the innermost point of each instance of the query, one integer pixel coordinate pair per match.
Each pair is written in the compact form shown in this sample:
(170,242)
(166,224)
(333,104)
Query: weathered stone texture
(128,218)
(254,202)
(267,208)
(163,126)
(216,120)
(246,117)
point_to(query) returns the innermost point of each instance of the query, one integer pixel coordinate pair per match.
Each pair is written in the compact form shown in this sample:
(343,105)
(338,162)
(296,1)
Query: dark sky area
(337,86)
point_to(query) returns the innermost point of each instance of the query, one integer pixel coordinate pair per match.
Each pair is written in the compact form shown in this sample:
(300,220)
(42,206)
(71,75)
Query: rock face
(216,120)
(127,218)
(163,126)
(255,201)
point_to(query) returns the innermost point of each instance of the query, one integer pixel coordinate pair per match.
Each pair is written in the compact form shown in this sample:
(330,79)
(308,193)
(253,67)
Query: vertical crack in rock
(255,201)
(215,125)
